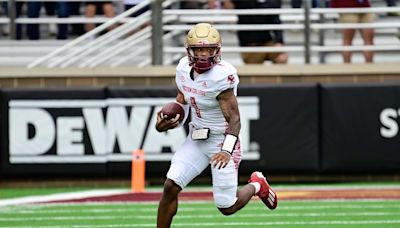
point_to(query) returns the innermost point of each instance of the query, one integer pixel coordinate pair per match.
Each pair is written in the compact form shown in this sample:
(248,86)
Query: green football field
(327,213)
(191,214)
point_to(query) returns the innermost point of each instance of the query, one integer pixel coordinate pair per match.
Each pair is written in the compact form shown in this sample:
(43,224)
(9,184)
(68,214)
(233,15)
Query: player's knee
(225,198)
(227,211)
(171,189)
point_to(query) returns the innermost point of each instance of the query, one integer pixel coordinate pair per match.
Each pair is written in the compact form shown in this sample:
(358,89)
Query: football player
(207,86)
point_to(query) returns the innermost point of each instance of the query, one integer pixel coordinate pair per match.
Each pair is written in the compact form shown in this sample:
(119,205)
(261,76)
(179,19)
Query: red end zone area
(301,194)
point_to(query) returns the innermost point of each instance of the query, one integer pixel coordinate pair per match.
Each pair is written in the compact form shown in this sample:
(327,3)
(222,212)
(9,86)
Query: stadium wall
(164,75)
(308,121)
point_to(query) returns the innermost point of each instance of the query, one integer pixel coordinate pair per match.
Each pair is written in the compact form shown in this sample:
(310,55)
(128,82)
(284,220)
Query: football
(172,109)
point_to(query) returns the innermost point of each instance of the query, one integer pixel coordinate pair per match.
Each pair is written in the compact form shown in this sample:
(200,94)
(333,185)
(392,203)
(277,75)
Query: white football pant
(194,156)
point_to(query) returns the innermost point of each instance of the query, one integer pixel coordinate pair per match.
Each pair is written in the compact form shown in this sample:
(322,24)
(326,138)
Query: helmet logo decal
(203,42)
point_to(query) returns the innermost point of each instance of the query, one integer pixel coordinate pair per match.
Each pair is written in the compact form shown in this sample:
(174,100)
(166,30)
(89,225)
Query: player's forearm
(232,134)
(230,110)
(234,126)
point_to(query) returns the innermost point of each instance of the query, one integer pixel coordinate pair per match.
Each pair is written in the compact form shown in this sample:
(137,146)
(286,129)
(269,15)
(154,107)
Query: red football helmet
(203,35)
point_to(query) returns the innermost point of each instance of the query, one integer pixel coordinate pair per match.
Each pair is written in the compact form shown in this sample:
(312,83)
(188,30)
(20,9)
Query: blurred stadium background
(74,110)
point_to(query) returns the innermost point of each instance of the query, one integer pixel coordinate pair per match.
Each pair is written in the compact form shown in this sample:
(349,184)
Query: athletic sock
(257,186)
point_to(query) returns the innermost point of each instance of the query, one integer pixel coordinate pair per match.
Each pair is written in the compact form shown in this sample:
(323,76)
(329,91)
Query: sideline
(295,192)
(62,196)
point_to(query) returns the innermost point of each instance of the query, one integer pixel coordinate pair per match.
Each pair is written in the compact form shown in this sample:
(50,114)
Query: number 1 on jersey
(194,105)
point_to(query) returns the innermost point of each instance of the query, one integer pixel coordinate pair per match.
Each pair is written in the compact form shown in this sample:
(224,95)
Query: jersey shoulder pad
(225,68)
(225,76)
(183,64)
(182,72)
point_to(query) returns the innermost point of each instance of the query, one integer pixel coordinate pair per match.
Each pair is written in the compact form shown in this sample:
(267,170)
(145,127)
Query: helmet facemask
(203,36)
(204,62)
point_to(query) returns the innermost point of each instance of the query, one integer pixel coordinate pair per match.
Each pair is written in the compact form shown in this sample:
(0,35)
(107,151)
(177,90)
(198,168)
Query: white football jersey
(201,93)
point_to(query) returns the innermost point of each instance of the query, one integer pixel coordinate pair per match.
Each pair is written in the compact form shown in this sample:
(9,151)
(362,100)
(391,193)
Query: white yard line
(345,187)
(73,204)
(230,224)
(42,208)
(95,215)
(208,216)
(61,196)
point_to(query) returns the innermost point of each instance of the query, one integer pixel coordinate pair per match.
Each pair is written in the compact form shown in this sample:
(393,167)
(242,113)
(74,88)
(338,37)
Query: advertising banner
(286,132)
(94,131)
(44,129)
(360,128)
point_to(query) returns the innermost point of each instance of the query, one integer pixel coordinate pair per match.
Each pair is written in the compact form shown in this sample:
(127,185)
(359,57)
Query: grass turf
(9,192)
(324,213)
(367,213)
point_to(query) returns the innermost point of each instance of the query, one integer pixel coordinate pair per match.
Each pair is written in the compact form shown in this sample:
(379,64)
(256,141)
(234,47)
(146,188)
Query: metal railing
(108,45)
(97,43)
(84,52)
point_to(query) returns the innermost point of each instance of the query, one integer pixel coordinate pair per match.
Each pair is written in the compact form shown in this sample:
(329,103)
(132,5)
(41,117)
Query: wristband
(229,143)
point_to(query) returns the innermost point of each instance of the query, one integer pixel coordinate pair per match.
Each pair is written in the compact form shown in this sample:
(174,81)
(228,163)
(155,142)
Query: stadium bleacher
(23,52)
